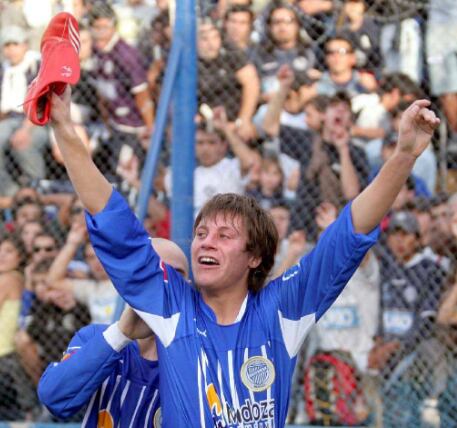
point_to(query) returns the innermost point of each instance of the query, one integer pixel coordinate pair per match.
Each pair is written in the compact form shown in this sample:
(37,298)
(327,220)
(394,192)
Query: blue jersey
(214,375)
(118,388)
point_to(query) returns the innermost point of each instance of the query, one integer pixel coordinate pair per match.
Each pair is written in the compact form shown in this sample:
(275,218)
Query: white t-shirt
(351,322)
(99,296)
(223,177)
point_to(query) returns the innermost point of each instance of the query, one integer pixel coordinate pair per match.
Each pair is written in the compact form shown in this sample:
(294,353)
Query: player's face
(219,257)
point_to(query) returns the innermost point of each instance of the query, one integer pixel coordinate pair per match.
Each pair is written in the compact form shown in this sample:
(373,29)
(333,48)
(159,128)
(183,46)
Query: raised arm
(271,121)
(58,270)
(93,189)
(416,129)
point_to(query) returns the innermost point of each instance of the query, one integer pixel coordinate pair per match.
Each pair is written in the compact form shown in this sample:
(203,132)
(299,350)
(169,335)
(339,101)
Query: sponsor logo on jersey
(213,400)
(257,414)
(258,373)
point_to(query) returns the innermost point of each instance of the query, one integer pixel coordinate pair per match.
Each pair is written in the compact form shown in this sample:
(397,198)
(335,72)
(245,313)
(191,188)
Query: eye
(200,234)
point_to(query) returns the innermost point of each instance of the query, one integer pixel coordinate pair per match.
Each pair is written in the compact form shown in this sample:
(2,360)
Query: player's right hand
(132,326)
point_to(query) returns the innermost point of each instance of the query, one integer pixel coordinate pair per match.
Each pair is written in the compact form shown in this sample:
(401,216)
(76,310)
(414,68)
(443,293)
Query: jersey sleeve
(154,290)
(66,386)
(304,292)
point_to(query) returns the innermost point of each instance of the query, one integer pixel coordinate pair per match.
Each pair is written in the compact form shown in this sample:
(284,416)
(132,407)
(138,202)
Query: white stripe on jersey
(137,406)
(200,389)
(246,357)
(89,409)
(264,354)
(102,392)
(148,413)
(118,379)
(221,385)
(235,402)
(124,392)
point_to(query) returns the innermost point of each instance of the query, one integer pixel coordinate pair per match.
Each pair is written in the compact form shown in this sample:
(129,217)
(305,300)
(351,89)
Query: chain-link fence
(299,106)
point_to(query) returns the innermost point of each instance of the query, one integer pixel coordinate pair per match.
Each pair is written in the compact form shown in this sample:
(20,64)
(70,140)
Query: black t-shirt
(268,61)
(298,144)
(217,81)
(52,328)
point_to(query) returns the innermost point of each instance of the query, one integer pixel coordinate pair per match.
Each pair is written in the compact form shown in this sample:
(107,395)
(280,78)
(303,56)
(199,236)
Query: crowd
(298,106)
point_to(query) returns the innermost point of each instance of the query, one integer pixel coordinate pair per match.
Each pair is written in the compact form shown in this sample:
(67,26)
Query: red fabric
(59,67)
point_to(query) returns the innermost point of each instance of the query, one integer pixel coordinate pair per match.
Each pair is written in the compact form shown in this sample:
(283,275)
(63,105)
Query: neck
(148,349)
(341,77)
(226,304)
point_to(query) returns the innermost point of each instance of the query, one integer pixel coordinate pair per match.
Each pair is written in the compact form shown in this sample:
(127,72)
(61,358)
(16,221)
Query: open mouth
(208,261)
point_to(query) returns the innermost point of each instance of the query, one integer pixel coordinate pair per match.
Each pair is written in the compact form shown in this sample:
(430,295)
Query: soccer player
(227,348)
(116,378)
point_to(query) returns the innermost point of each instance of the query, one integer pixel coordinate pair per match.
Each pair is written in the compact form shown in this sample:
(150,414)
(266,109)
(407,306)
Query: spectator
(271,182)
(364,32)
(411,287)
(121,84)
(387,150)
(216,171)
(154,45)
(44,246)
(96,292)
(25,141)
(238,20)
(27,232)
(402,47)
(341,74)
(447,317)
(282,46)
(442,60)
(335,171)
(270,117)
(54,319)
(421,208)
(226,79)
(374,112)
(12,262)
(351,322)
(443,242)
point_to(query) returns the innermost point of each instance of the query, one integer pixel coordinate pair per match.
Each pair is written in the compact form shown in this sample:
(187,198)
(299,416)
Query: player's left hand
(416,128)
(133,326)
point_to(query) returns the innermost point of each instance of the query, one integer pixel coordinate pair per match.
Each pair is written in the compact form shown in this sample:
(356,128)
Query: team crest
(258,373)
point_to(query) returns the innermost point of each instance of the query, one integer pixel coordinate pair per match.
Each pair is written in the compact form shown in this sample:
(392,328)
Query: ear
(254,262)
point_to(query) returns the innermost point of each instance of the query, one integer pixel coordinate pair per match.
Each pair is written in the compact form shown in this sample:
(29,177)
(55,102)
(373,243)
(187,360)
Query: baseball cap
(13,34)
(59,66)
(405,221)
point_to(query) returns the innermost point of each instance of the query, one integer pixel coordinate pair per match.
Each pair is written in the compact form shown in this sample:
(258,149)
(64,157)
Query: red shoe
(59,67)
